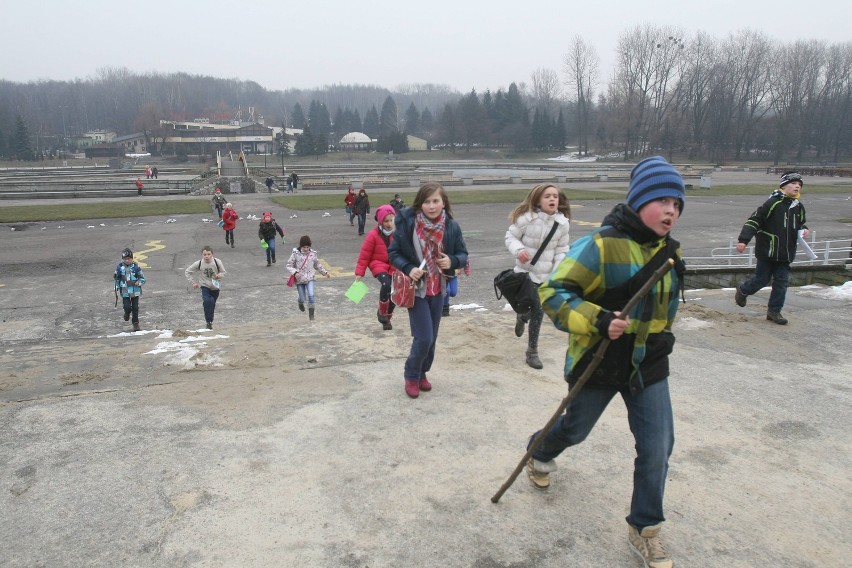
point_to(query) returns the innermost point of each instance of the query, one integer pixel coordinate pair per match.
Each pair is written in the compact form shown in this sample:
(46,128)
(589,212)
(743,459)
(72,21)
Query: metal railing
(835,251)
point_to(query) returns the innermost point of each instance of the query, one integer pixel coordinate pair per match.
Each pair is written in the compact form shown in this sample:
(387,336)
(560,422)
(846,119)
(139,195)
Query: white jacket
(528,232)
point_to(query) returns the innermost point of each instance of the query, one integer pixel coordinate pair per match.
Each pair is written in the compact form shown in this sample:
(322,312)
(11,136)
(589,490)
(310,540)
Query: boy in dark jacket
(266,231)
(776,224)
(582,296)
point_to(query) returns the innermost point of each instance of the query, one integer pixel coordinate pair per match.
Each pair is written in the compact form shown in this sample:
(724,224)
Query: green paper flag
(357,291)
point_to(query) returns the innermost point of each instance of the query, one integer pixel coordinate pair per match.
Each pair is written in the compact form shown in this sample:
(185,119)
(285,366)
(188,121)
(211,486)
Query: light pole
(64,132)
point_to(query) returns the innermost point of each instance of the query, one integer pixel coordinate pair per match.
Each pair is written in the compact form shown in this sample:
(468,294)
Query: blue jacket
(403,255)
(129,279)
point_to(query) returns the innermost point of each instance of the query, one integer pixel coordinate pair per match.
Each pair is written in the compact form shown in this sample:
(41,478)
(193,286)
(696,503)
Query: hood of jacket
(628,222)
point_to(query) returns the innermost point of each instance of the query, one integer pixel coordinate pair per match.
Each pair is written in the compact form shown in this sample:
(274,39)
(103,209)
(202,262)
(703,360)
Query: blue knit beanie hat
(651,179)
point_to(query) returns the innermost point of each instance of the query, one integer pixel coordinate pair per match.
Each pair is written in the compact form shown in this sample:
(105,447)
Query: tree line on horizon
(698,97)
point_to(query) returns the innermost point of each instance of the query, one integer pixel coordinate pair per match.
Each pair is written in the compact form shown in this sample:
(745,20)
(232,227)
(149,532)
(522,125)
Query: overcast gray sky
(282,44)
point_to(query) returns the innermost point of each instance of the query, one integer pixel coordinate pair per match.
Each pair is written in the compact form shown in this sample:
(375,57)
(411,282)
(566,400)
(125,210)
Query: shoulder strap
(199,265)
(218,268)
(544,244)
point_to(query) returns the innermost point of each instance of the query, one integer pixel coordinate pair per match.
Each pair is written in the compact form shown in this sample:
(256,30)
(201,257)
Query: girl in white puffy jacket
(532,221)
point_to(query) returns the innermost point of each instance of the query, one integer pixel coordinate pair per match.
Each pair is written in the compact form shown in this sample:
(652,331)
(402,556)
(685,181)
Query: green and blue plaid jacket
(594,280)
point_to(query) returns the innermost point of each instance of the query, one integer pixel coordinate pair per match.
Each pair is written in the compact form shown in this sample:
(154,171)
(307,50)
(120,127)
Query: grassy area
(76,211)
(305,202)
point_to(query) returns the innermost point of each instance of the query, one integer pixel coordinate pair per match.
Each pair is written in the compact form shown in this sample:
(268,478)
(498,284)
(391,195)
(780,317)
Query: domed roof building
(356,141)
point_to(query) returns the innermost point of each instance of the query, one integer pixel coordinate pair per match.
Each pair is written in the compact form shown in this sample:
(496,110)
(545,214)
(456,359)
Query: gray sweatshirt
(205,273)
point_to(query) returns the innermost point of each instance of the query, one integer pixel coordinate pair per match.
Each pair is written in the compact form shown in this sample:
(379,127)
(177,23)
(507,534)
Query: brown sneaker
(740,298)
(648,546)
(776,317)
(539,472)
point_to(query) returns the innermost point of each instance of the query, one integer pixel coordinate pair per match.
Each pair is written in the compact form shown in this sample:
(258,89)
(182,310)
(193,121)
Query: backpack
(215,260)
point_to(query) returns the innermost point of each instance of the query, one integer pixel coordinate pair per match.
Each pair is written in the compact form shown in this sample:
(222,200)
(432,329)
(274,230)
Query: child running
(229,217)
(428,246)
(304,264)
(374,255)
(266,231)
(206,274)
(128,281)
(544,209)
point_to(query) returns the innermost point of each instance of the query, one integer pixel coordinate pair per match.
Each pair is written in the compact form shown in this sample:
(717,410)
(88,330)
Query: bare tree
(581,68)
(546,90)
(700,67)
(648,60)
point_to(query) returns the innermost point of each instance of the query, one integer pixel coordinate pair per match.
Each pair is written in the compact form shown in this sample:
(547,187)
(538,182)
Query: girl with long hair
(428,246)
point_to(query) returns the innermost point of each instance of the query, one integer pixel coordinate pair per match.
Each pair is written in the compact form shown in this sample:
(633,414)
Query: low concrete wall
(727,277)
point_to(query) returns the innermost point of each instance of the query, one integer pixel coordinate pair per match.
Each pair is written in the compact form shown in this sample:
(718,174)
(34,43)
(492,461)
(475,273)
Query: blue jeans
(270,252)
(649,413)
(425,319)
(362,220)
(306,290)
(208,299)
(779,272)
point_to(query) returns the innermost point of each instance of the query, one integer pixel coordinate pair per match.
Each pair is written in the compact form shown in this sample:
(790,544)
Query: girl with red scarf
(428,246)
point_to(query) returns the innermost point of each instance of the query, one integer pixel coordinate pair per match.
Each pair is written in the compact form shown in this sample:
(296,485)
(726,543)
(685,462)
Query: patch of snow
(692,323)
(842,292)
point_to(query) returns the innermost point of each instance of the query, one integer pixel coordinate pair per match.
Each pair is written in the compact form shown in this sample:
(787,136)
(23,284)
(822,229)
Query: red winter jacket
(374,254)
(229,218)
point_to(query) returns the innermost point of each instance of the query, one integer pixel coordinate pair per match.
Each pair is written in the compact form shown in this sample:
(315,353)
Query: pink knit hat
(383,211)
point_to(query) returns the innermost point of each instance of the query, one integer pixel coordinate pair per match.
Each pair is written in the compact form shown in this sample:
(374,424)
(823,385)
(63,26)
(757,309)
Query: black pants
(131,306)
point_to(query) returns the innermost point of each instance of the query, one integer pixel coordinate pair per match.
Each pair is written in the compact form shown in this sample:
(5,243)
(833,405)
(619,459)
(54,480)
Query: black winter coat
(266,231)
(776,224)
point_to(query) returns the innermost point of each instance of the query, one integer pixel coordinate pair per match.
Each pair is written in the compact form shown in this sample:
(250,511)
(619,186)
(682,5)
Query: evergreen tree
(558,137)
(395,141)
(3,152)
(355,123)
(450,127)
(371,123)
(472,118)
(389,121)
(320,123)
(515,108)
(499,116)
(427,123)
(340,126)
(20,146)
(412,120)
(297,118)
(305,143)
(283,147)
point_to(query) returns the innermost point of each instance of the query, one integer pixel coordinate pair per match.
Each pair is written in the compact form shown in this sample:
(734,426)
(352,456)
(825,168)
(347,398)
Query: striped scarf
(431,235)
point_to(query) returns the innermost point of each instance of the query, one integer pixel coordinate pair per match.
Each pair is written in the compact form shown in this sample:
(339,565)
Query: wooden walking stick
(572,394)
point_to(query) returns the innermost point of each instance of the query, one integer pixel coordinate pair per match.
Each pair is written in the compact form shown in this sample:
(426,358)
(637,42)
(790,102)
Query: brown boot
(383,315)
